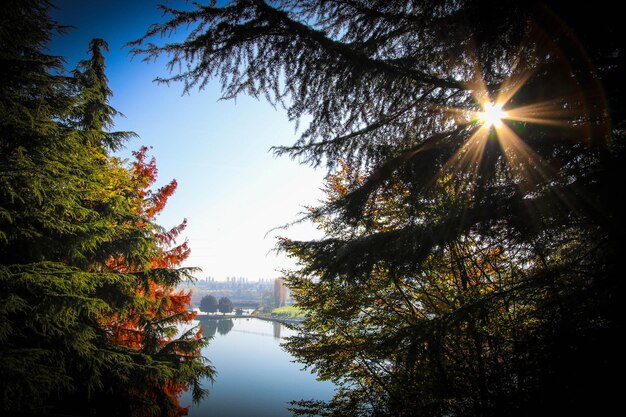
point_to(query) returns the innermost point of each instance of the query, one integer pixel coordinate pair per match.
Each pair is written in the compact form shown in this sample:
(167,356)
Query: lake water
(256,377)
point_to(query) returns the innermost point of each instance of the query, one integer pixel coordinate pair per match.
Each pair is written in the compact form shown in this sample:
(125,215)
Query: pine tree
(471,263)
(152,324)
(49,311)
(93,114)
(67,210)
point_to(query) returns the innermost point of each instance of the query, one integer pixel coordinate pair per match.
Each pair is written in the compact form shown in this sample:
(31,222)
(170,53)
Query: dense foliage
(470,265)
(88,314)
(208,304)
(224,305)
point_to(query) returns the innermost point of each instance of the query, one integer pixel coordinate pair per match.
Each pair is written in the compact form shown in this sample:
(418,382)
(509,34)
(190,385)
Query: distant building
(280,292)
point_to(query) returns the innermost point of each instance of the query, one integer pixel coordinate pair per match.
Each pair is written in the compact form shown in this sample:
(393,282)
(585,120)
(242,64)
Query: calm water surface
(256,377)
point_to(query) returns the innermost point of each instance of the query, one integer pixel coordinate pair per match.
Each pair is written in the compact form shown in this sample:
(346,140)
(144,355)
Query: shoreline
(204,317)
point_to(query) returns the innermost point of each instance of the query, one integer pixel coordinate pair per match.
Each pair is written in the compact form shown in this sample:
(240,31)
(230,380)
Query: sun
(491,115)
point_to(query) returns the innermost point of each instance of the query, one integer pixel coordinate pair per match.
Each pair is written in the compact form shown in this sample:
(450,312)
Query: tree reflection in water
(276,327)
(213,326)
(224,326)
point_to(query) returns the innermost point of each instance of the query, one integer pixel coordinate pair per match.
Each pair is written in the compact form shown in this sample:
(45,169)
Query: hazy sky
(231,188)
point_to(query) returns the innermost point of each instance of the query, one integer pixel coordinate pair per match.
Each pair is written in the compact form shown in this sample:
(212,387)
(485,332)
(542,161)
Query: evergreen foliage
(224,305)
(208,304)
(93,114)
(467,269)
(70,215)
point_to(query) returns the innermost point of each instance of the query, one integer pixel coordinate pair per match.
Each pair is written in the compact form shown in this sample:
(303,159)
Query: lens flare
(492,115)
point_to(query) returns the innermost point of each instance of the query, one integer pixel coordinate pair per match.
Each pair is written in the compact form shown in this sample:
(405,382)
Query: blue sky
(231,188)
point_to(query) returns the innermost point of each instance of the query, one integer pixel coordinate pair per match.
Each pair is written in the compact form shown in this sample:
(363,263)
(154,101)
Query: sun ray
(527,165)
(477,86)
(497,116)
(511,86)
(550,112)
(469,155)
(531,170)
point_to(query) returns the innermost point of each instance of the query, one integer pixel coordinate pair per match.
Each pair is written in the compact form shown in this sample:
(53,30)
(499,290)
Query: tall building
(280,292)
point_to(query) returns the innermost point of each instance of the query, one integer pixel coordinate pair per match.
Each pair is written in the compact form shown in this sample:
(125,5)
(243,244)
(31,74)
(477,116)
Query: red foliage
(134,329)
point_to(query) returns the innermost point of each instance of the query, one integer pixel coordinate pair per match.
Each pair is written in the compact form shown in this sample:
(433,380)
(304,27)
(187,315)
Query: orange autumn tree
(157,362)
(152,325)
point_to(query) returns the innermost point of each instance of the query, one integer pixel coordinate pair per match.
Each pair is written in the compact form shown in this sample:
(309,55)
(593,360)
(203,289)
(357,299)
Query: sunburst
(492,115)
(493,119)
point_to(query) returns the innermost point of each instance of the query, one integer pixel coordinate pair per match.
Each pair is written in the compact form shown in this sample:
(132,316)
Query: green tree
(208,304)
(492,244)
(225,305)
(92,112)
(49,228)
(66,210)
